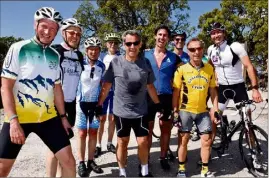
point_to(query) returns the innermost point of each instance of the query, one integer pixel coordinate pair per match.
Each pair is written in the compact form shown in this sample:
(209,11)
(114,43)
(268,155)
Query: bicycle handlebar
(244,103)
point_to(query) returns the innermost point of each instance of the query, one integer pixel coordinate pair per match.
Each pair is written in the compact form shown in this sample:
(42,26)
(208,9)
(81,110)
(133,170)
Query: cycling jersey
(184,57)
(227,66)
(36,71)
(164,75)
(89,84)
(194,84)
(70,64)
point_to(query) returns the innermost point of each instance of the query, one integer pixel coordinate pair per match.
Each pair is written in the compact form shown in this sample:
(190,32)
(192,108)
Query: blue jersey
(164,75)
(184,57)
(90,81)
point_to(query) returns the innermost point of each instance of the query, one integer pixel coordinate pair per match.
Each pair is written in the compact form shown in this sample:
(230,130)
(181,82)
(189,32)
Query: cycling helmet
(48,13)
(71,22)
(180,32)
(92,41)
(112,37)
(216,26)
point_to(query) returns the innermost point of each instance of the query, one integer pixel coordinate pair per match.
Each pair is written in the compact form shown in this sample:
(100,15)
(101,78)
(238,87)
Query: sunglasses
(180,39)
(72,32)
(132,43)
(194,49)
(92,72)
(113,42)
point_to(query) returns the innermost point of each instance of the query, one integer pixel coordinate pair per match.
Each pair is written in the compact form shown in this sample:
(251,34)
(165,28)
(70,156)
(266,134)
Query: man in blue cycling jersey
(31,88)
(179,38)
(71,60)
(164,64)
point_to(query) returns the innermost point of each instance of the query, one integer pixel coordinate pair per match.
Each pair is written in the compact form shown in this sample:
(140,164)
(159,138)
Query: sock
(98,145)
(204,168)
(109,143)
(144,169)
(181,166)
(122,172)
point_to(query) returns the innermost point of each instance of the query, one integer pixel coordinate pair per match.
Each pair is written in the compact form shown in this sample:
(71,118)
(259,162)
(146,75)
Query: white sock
(109,143)
(122,172)
(144,169)
(98,145)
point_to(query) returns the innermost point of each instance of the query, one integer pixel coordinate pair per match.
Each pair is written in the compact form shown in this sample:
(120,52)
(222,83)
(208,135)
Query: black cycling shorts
(236,92)
(51,133)
(70,109)
(140,126)
(166,101)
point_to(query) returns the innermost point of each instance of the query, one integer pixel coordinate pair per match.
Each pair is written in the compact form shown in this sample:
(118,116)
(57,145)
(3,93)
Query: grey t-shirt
(130,80)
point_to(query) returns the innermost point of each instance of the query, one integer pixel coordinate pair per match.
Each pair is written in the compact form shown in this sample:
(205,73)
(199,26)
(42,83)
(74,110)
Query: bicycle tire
(246,152)
(221,135)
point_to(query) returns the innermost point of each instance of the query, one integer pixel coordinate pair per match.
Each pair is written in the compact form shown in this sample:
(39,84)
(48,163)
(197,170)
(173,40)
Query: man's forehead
(195,44)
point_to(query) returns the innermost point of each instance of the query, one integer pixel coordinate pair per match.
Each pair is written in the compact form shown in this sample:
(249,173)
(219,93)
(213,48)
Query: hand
(256,96)
(175,119)
(217,117)
(16,132)
(159,110)
(98,111)
(66,125)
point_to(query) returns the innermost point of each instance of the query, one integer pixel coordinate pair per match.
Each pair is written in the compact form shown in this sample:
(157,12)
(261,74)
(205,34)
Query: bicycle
(252,148)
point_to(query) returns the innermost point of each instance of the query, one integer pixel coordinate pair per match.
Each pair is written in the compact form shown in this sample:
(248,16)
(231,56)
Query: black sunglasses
(132,43)
(180,39)
(92,72)
(194,49)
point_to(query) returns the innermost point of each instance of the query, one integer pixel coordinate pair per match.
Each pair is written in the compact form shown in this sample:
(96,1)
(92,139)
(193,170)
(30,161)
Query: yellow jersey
(194,84)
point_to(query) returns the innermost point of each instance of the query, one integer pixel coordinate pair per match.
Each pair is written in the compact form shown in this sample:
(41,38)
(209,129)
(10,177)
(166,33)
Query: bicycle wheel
(218,139)
(255,158)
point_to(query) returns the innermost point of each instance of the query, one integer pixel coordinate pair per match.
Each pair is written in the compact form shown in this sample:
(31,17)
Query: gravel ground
(31,159)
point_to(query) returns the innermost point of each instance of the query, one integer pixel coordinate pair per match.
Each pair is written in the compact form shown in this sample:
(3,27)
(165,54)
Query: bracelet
(13,117)
(63,115)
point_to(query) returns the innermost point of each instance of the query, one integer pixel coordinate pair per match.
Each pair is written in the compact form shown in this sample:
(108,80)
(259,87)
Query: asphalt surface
(31,159)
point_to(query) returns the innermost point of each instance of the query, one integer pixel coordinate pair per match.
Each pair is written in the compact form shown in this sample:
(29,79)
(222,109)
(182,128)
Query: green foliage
(245,21)
(5,43)
(120,15)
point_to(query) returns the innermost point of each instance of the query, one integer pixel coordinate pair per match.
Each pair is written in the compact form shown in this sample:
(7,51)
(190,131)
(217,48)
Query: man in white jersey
(31,88)
(112,43)
(228,60)
(71,60)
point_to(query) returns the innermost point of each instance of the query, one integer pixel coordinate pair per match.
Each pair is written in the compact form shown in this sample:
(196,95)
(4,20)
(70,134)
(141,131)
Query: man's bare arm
(104,92)
(152,93)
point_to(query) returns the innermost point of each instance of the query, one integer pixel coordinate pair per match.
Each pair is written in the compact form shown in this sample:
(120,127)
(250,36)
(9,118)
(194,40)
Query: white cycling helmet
(112,37)
(48,13)
(92,41)
(71,22)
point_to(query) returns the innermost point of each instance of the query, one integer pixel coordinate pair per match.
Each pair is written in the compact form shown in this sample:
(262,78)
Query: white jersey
(228,68)
(107,59)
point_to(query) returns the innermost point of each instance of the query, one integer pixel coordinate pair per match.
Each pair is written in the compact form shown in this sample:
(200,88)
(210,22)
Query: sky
(17,16)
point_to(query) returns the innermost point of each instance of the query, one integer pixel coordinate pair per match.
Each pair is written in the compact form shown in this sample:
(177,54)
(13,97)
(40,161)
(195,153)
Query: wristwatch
(63,115)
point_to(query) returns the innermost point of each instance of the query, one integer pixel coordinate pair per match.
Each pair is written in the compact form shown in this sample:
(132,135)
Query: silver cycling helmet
(48,13)
(216,26)
(92,41)
(70,22)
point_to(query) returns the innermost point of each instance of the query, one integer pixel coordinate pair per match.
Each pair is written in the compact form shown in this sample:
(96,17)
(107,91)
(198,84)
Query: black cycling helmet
(179,32)
(216,26)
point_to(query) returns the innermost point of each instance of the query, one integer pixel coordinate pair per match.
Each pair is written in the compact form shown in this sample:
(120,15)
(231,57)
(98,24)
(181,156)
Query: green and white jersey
(36,70)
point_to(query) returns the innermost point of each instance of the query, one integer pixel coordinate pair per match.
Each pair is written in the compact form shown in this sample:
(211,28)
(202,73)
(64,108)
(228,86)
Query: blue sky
(17,16)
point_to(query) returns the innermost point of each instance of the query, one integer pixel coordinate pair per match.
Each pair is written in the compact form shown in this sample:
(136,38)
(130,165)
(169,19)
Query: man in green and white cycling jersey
(31,88)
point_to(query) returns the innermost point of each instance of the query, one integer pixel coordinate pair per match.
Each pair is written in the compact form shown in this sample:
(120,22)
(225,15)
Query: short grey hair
(131,32)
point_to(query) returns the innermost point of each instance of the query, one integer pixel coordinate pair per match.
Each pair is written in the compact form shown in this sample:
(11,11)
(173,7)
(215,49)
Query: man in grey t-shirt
(132,77)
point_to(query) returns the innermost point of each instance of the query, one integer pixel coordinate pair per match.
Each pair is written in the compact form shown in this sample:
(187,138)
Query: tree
(144,16)
(245,22)
(5,43)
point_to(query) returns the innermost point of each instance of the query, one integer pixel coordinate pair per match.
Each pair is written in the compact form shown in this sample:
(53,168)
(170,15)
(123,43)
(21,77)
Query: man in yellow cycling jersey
(31,88)
(191,84)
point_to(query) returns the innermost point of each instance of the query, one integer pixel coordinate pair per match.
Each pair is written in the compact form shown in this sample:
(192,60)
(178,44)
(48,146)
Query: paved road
(31,160)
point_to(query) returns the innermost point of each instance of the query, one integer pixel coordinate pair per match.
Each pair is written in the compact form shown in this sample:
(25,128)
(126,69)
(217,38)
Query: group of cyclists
(48,89)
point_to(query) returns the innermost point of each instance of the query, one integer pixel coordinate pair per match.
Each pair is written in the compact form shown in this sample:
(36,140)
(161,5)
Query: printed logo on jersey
(53,65)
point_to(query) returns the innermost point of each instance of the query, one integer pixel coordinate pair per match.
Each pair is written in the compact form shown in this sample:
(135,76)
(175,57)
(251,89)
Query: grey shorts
(202,121)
